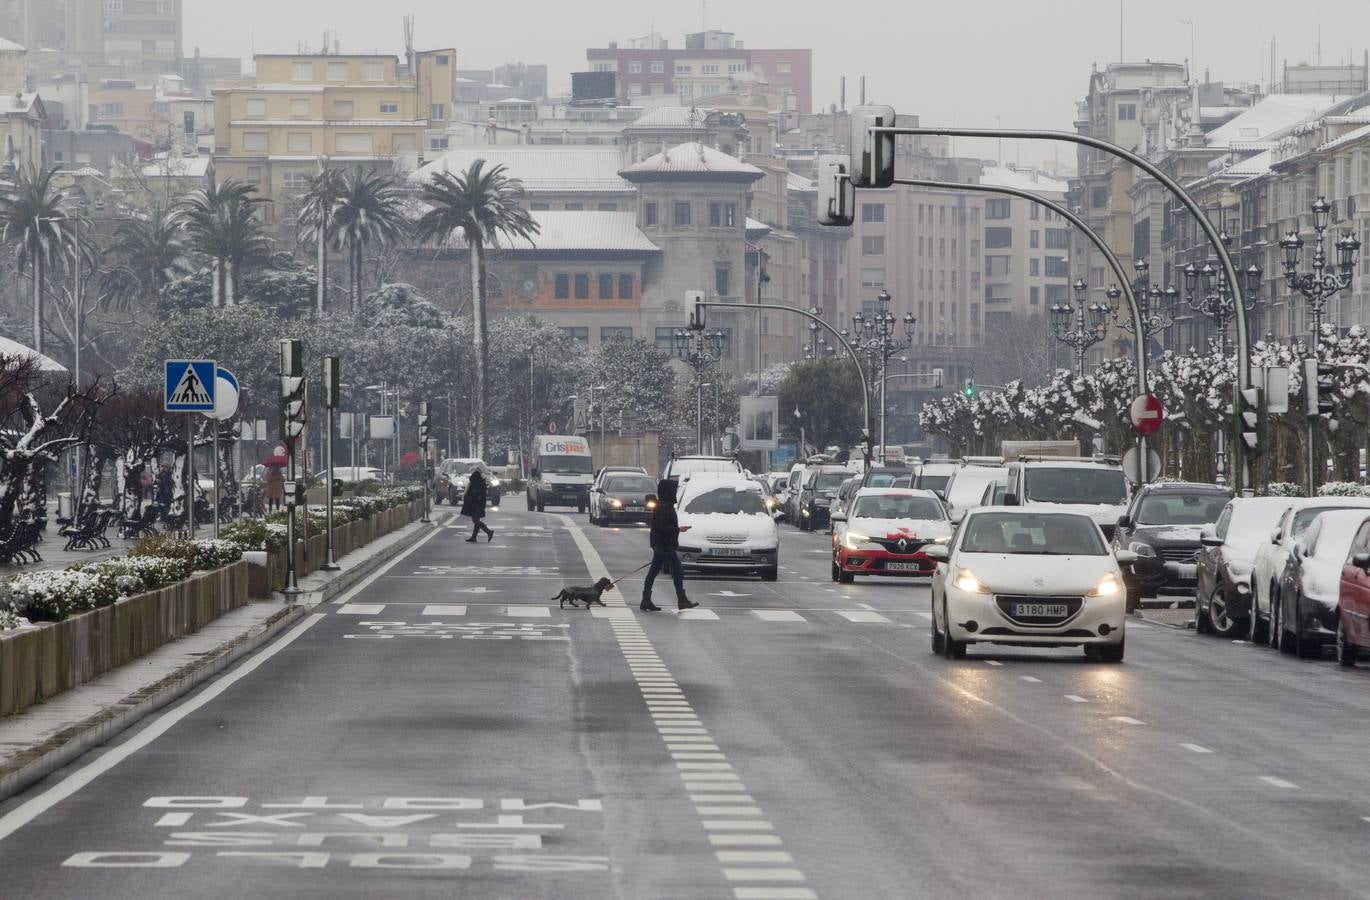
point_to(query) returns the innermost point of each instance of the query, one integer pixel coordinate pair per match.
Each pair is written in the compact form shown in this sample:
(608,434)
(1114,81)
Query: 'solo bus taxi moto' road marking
(732,822)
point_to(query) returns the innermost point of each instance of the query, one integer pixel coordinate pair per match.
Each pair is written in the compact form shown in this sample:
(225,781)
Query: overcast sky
(1019,64)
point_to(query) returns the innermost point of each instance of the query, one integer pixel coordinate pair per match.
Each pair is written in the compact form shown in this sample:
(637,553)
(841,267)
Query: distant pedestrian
(473,505)
(275,488)
(166,487)
(665,538)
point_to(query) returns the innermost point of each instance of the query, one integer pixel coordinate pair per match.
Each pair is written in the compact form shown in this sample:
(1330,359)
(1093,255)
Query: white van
(562,472)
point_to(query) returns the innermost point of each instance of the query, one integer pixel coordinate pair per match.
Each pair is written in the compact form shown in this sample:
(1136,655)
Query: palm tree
(221,223)
(369,210)
(482,205)
(35,218)
(315,223)
(151,250)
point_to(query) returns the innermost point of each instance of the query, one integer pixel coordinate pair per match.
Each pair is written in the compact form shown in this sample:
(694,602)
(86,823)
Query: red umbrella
(409,459)
(276,462)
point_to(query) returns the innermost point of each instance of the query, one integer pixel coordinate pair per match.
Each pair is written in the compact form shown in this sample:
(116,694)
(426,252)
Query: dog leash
(634,572)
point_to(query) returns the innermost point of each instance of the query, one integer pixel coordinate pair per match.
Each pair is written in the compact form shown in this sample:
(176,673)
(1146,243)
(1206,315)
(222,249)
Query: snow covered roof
(1270,116)
(1348,138)
(542,169)
(668,118)
(692,161)
(181,167)
(45,363)
(1035,182)
(88,172)
(21,102)
(800,184)
(573,231)
(755,229)
(1252,165)
(6,44)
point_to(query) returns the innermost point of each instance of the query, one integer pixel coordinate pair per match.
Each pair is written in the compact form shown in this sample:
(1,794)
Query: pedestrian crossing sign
(190,385)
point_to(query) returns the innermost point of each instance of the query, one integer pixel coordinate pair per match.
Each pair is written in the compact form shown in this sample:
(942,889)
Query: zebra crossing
(701,614)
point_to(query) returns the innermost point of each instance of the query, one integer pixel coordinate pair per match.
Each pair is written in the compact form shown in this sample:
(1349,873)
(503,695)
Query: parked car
(768,496)
(1306,620)
(886,533)
(934,475)
(680,468)
(842,502)
(1029,577)
(994,494)
(726,526)
(1353,607)
(622,497)
(1162,526)
(794,487)
(454,476)
(1273,556)
(967,485)
(620,470)
(1222,590)
(815,498)
(1094,486)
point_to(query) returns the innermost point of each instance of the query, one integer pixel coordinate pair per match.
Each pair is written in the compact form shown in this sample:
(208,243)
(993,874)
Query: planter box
(40,662)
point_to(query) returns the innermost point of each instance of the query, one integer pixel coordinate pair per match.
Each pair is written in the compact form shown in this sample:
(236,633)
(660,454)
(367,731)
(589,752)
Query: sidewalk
(44,738)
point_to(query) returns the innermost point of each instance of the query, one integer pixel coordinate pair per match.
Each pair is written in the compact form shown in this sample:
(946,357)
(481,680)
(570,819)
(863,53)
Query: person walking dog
(665,538)
(473,505)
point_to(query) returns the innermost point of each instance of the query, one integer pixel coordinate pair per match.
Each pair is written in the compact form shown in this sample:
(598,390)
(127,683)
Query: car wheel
(1346,651)
(1202,625)
(954,649)
(1105,653)
(1255,626)
(1219,622)
(846,577)
(939,644)
(770,573)
(1305,646)
(1273,626)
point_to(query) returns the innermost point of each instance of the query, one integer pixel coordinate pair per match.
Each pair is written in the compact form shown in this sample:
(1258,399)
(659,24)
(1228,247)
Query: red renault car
(1353,600)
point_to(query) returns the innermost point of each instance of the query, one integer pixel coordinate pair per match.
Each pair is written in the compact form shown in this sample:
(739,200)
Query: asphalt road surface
(445,730)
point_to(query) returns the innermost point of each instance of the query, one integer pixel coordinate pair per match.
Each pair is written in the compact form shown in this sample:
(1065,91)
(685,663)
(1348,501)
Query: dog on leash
(587,595)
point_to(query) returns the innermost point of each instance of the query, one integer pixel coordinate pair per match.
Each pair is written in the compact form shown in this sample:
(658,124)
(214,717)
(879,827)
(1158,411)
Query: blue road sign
(190,385)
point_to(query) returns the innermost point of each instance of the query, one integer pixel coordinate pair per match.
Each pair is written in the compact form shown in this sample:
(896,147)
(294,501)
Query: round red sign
(1146,414)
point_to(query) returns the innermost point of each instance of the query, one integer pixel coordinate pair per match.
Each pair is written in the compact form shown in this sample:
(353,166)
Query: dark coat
(473,503)
(665,525)
(166,487)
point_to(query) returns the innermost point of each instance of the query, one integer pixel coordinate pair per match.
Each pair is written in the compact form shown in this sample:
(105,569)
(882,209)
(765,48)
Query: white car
(1273,555)
(887,532)
(726,526)
(1029,577)
(933,476)
(1097,488)
(967,486)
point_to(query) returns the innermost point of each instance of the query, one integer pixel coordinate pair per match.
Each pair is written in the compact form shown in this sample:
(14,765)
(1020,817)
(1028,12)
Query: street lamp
(700,349)
(1080,326)
(875,336)
(1216,300)
(1156,304)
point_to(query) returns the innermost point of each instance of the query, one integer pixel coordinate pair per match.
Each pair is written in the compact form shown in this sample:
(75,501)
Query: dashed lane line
(1127,720)
(1075,698)
(1195,748)
(1029,679)
(1278,782)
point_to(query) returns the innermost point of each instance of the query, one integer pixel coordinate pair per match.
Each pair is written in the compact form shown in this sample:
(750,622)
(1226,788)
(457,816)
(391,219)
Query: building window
(1098,197)
(715,215)
(996,266)
(1127,112)
(582,287)
(607,207)
(389,107)
(1034,238)
(299,142)
(997,209)
(562,289)
(734,68)
(941,246)
(682,213)
(436,142)
(337,71)
(873,245)
(1034,294)
(356,142)
(539,206)
(953,279)
(611,333)
(301,71)
(635,68)
(875,278)
(256,108)
(299,108)
(721,281)
(1034,212)
(635,89)
(975,281)
(1033,268)
(606,287)
(114,6)
(574,207)
(709,69)
(665,337)
(782,66)
(111,109)
(1058,239)
(998,238)
(730,215)
(437,112)
(373,71)
(682,70)
(343,109)
(441,59)
(1057,267)
(658,67)
(872,212)
(941,215)
(254,174)
(295,180)
(255,140)
(649,214)
(579,333)
(625,287)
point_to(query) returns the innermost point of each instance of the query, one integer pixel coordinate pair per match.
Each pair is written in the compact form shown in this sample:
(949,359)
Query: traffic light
(1320,389)
(968,389)
(872,154)
(425,424)
(937,378)
(694,302)
(293,386)
(332,384)
(836,193)
(1251,422)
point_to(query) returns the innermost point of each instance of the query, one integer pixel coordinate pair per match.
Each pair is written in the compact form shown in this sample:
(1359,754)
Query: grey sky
(951,60)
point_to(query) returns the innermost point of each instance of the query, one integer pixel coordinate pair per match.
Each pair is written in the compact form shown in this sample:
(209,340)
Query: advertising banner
(759,423)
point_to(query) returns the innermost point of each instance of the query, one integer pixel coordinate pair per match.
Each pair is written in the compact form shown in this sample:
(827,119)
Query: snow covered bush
(134,574)
(254,534)
(1283,489)
(53,595)
(214,554)
(10,620)
(1343,489)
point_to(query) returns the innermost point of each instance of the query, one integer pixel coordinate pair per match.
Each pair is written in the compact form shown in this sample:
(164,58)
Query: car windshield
(567,465)
(830,481)
(690,466)
(630,484)
(894,506)
(1181,509)
(458,468)
(727,501)
(1029,533)
(1249,527)
(1076,485)
(933,482)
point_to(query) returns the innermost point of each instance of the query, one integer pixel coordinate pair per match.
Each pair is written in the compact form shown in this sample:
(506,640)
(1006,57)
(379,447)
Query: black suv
(821,484)
(1162,526)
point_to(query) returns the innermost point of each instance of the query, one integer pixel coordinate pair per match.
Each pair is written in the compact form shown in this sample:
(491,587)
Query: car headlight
(651,504)
(854,540)
(965,580)
(944,539)
(494,482)
(804,511)
(615,503)
(1107,586)
(1141,549)
(770,503)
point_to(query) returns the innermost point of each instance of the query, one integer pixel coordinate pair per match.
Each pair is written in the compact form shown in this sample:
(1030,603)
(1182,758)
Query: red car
(1353,600)
(884,532)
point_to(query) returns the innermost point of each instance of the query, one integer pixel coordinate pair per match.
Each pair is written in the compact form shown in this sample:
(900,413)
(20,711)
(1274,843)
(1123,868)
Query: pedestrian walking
(473,505)
(665,538)
(275,488)
(166,487)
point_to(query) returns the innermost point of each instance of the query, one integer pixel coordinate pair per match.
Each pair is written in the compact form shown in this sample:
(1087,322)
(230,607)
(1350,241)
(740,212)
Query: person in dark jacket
(166,487)
(473,505)
(665,538)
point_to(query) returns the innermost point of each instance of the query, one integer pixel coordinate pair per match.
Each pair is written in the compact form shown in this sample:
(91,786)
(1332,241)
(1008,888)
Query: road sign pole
(331,386)
(215,464)
(190,474)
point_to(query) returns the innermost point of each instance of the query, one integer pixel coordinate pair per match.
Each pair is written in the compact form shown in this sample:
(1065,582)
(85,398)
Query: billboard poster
(759,422)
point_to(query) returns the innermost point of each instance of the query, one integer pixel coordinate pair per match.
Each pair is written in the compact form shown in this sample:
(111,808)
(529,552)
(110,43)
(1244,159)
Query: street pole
(215,464)
(190,474)
(699,413)
(331,387)
(293,391)
(79,490)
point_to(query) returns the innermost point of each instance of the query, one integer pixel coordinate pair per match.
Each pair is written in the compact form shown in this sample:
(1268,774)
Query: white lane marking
(701,614)
(713,798)
(754,856)
(778,615)
(444,609)
(1278,782)
(731,825)
(530,612)
(1195,748)
(1076,698)
(172,820)
(763,874)
(693,755)
(861,615)
(993,662)
(361,609)
(773,893)
(926,615)
(727,811)
(720,787)
(865,606)
(1030,680)
(759,840)
(1127,720)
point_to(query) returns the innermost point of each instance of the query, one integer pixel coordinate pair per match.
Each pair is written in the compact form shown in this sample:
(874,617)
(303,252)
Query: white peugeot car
(886,531)
(726,526)
(1029,577)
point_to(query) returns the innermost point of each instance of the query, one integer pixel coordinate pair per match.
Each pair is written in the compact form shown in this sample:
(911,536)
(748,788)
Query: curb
(42,760)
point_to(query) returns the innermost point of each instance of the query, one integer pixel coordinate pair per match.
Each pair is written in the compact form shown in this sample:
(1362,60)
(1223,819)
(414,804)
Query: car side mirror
(1011,500)
(1300,549)
(938,552)
(941,495)
(1361,561)
(1209,538)
(1125,523)
(1125,557)
(957,516)
(838,517)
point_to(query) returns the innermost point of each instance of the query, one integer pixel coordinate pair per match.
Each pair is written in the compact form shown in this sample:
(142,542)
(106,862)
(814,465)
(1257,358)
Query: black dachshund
(588,595)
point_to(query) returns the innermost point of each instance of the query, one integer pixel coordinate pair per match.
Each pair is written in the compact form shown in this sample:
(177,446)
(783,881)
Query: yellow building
(303,110)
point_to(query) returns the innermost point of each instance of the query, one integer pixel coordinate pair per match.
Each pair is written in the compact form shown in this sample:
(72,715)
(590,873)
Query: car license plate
(726,551)
(1187,571)
(902,567)
(1040,610)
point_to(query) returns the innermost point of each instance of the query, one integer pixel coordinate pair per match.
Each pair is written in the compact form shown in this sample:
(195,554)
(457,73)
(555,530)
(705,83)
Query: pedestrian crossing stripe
(526,611)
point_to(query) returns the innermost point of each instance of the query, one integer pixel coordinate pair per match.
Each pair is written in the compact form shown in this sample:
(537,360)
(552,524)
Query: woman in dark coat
(473,505)
(665,538)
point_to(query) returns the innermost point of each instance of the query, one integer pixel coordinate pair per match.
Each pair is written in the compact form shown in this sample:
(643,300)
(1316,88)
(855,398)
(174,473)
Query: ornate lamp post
(875,336)
(1157,304)
(1216,301)
(701,350)
(1082,325)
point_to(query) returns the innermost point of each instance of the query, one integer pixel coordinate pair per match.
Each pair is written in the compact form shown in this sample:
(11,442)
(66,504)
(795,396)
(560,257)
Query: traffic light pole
(292,387)
(331,387)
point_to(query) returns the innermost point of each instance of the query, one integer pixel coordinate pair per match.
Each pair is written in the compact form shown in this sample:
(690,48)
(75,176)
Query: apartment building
(1026,248)
(301,111)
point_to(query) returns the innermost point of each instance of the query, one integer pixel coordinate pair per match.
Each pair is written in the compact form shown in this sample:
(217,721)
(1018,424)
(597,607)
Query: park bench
(144,524)
(18,546)
(88,531)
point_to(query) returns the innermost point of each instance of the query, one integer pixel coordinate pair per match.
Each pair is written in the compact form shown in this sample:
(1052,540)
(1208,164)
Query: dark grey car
(621,498)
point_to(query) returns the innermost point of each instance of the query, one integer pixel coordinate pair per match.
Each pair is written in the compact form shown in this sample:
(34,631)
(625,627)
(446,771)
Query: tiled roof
(692,159)
(798,183)
(667,118)
(562,230)
(545,169)
(1348,138)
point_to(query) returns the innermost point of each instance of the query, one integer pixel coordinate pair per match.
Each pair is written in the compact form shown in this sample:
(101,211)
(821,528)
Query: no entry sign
(1146,414)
